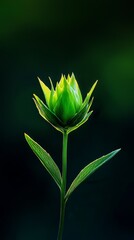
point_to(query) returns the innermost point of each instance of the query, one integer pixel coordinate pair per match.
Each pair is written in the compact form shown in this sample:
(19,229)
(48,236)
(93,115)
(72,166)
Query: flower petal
(75,86)
(61,82)
(64,107)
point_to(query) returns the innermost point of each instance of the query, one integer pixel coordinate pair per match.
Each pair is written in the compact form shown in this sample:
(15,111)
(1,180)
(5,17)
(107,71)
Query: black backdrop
(95,40)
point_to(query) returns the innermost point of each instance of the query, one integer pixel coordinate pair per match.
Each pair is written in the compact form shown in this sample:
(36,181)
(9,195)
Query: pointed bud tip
(73,74)
(68,76)
(40,81)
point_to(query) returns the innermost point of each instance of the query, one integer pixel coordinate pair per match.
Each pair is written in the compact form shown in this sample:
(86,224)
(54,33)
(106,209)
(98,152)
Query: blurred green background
(95,40)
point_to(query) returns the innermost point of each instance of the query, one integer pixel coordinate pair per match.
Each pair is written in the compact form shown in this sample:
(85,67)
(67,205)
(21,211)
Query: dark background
(95,40)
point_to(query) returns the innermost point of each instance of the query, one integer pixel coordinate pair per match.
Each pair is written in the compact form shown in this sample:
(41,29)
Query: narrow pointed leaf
(45,159)
(88,170)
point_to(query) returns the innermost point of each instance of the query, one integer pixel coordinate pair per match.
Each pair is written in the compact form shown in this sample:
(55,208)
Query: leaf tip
(26,136)
(95,83)
(117,150)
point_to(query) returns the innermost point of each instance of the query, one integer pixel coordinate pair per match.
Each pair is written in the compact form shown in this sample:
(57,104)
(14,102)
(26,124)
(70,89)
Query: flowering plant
(64,107)
(65,110)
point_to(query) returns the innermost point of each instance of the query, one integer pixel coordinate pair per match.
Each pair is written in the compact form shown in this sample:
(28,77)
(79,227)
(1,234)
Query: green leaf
(45,159)
(88,170)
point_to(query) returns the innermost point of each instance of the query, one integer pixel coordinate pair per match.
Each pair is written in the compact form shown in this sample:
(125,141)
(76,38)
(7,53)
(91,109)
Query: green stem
(63,185)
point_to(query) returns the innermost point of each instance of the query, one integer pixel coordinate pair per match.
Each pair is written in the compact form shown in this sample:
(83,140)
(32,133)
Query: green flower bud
(64,108)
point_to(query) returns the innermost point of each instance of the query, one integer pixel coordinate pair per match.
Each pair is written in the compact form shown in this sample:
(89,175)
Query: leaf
(45,159)
(88,170)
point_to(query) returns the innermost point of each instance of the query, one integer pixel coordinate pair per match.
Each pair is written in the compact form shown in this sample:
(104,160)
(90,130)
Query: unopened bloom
(64,107)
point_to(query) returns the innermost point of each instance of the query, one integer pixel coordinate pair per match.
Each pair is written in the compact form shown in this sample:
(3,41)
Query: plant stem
(63,185)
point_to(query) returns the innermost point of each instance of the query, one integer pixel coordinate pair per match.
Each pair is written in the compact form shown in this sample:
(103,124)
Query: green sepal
(89,94)
(80,115)
(70,129)
(88,170)
(50,117)
(45,159)
(47,114)
(64,106)
(46,90)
